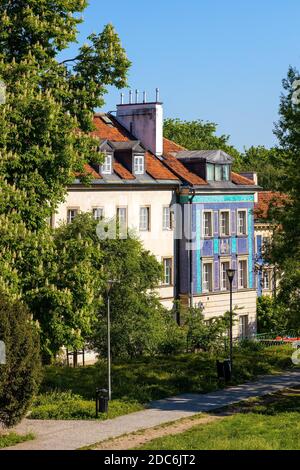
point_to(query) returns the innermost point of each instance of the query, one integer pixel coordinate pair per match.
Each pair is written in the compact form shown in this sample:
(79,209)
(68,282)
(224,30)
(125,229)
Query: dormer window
(138,164)
(107,165)
(217,172)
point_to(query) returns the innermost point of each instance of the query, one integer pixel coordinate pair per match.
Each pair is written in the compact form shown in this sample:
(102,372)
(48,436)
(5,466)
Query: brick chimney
(144,120)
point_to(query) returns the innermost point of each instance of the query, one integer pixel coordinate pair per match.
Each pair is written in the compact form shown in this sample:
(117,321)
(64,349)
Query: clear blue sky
(217,60)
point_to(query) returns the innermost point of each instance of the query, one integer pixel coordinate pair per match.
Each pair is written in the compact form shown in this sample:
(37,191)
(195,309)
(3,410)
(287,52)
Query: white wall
(217,304)
(157,241)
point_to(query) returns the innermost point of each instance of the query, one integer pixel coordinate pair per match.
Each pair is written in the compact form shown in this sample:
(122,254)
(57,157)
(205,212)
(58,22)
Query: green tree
(209,336)
(20,376)
(45,126)
(261,160)
(286,246)
(48,102)
(137,316)
(271,316)
(199,135)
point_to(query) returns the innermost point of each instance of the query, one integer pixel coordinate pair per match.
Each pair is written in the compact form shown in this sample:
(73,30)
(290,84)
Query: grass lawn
(267,423)
(11,439)
(68,393)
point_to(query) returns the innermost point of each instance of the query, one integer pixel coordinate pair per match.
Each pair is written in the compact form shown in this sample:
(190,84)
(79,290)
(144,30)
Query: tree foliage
(286,245)
(45,125)
(20,376)
(198,135)
(271,316)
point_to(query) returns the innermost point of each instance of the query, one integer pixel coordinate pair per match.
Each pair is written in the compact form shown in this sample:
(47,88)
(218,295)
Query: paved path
(70,435)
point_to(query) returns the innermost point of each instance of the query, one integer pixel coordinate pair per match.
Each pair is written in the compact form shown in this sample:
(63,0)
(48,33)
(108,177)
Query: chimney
(144,120)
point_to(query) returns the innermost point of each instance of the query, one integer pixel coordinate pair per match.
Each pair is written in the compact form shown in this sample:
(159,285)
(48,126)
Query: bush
(68,405)
(20,376)
(270,316)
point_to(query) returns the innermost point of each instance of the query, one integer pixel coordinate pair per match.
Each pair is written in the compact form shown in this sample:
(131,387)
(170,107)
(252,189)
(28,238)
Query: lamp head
(230,274)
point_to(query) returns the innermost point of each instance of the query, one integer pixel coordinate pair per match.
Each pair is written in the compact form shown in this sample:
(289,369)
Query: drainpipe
(190,257)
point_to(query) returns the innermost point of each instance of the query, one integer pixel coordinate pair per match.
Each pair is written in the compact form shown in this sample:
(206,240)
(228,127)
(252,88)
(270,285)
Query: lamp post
(230,275)
(110,283)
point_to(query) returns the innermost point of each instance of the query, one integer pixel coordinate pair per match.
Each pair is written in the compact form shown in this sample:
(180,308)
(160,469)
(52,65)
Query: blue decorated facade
(217,248)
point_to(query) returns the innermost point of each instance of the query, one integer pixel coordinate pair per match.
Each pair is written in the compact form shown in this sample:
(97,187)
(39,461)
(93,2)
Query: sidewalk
(70,435)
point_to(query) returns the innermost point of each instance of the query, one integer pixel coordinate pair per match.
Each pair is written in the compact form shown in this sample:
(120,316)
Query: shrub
(270,316)
(20,376)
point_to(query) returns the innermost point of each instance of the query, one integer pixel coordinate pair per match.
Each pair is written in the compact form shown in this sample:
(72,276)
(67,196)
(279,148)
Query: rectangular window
(144,218)
(107,165)
(207,277)
(224,223)
(210,172)
(138,164)
(242,274)
(122,218)
(71,214)
(207,224)
(266,280)
(218,172)
(242,222)
(226,173)
(243,326)
(167,218)
(168,274)
(224,278)
(98,213)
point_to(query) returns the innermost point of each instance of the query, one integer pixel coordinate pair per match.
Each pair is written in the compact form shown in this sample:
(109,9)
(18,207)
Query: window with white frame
(106,168)
(224,278)
(71,214)
(207,224)
(144,218)
(168,271)
(224,223)
(122,217)
(167,218)
(242,222)
(98,213)
(242,274)
(207,277)
(243,326)
(138,165)
(266,279)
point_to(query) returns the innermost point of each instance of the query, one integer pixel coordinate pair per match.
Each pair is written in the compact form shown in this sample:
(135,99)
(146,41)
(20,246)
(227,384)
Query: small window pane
(71,214)
(242,274)
(210,172)
(167,264)
(98,213)
(218,172)
(224,278)
(226,172)
(167,220)
(139,164)
(144,218)
(207,224)
(242,223)
(243,326)
(207,277)
(224,224)
(107,165)
(122,218)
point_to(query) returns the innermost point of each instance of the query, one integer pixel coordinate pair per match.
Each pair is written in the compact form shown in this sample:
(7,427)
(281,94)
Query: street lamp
(230,275)
(110,283)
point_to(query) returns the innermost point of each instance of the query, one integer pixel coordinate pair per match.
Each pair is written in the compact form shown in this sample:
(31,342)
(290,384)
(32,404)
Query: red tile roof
(266,200)
(239,179)
(169,168)
(123,172)
(117,133)
(178,167)
(88,170)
